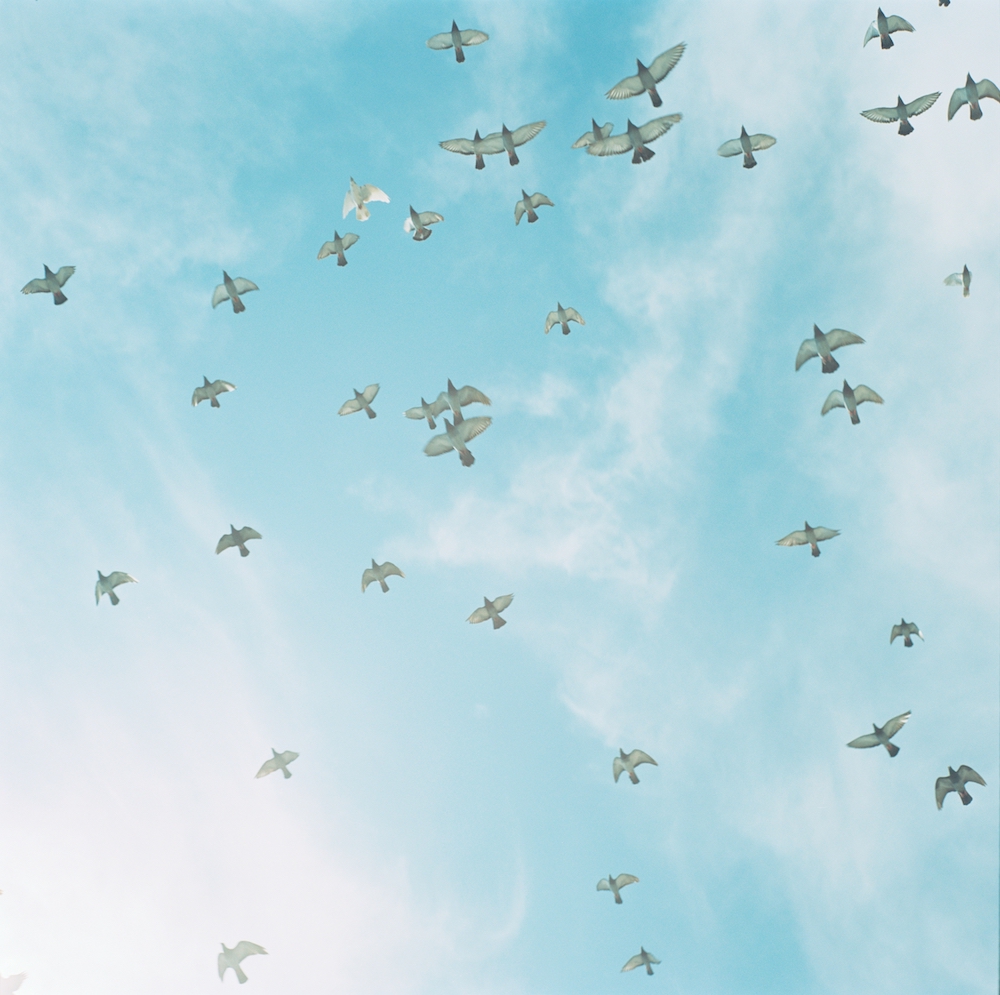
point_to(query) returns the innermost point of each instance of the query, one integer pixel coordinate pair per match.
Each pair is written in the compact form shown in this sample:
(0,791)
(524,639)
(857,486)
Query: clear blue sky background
(453,806)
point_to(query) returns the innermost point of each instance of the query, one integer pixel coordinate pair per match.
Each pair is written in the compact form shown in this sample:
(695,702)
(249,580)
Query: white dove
(884,26)
(237,537)
(596,134)
(647,78)
(527,204)
(456,436)
(359,401)
(11,984)
(492,609)
(823,344)
(338,246)
(379,572)
(107,585)
(634,139)
(279,761)
(643,957)
(850,398)
(504,140)
(417,223)
(969,94)
(231,958)
(230,290)
(747,144)
(628,762)
(209,391)
(956,781)
(357,197)
(963,280)
(902,112)
(881,736)
(562,316)
(456,39)
(615,884)
(905,629)
(51,283)
(808,537)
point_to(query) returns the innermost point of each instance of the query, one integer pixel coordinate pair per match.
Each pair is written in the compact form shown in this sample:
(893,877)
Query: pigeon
(425,410)
(634,139)
(956,781)
(823,344)
(51,283)
(643,957)
(963,280)
(456,399)
(456,39)
(905,629)
(230,290)
(379,572)
(107,585)
(357,197)
(562,316)
(511,139)
(231,958)
(809,536)
(969,94)
(884,26)
(417,223)
(881,736)
(902,112)
(596,134)
(747,144)
(210,391)
(615,884)
(527,204)
(492,609)
(850,398)
(647,78)
(10,985)
(237,537)
(456,436)
(279,761)
(628,762)
(494,143)
(359,401)
(339,246)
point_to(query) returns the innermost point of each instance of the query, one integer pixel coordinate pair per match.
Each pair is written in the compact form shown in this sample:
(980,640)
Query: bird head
(451,386)
(880,14)
(743,132)
(641,67)
(48,272)
(524,195)
(969,81)
(817,334)
(621,753)
(232,528)
(807,526)
(594,125)
(477,138)
(504,130)
(952,773)
(846,387)
(225,275)
(900,102)
(454,26)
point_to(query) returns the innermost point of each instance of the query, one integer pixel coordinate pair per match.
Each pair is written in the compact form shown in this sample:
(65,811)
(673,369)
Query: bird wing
(440,42)
(245,948)
(822,534)
(835,400)
(503,602)
(537,199)
(573,315)
(985,88)
(225,542)
(603,885)
(38,286)
(633,962)
(958,98)
(468,395)
(441,403)
(473,37)
(872,33)
(519,207)
(415,413)
(349,407)
(941,787)
(479,615)
(526,132)
(326,249)
(464,146)
(897,630)
(882,115)
(288,756)
(864,742)
(200,394)
(615,145)
(631,86)
(438,445)
(588,138)
(953,279)
(806,351)
(968,774)
(369,392)
(837,337)
(638,757)
(921,104)
(552,319)
(895,724)
(666,61)
(247,533)
(472,427)
(895,23)
(730,148)
(617,767)
(120,577)
(349,204)
(223,386)
(244,286)
(349,239)
(793,539)
(624,879)
(220,295)
(224,961)
(391,570)
(758,142)
(268,767)
(368,577)
(369,193)
(863,393)
(652,130)
(492,143)
(430,217)
(67,271)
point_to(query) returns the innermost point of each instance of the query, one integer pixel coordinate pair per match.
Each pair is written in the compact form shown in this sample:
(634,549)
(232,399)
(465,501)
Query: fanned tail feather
(830,364)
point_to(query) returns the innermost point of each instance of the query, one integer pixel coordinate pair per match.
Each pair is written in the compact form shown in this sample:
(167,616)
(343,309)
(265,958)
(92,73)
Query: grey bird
(642,959)
(428,411)
(596,134)
(628,762)
(902,112)
(822,344)
(884,26)
(457,398)
(230,290)
(51,283)
(11,984)
(850,397)
(512,139)
(615,884)
(232,958)
(906,630)
(279,761)
(210,391)
(747,144)
(634,139)
(504,140)
(357,197)
(648,76)
(562,316)
(969,94)
(527,205)
(107,585)
(379,572)
(337,247)
(956,781)
(456,39)
(361,400)
(417,223)
(492,609)
(963,280)
(456,436)
(882,735)
(237,537)
(808,536)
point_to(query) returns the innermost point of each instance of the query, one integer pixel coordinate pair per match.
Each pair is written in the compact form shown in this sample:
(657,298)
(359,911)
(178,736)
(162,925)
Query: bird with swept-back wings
(963,280)
(279,761)
(747,144)
(628,762)
(357,197)
(457,40)
(237,537)
(361,400)
(457,436)
(504,140)
(11,984)
(597,133)
(492,609)
(230,290)
(563,316)
(882,735)
(850,397)
(210,391)
(107,585)
(822,344)
(902,112)
(906,630)
(808,536)
(956,781)
(232,958)
(635,139)
(642,959)
(378,572)
(417,223)
(884,26)
(527,205)
(51,283)
(338,247)
(615,884)
(969,94)
(648,76)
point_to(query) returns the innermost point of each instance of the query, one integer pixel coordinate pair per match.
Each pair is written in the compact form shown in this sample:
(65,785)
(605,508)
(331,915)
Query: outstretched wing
(288,756)
(941,787)
(985,88)
(758,142)
(872,33)
(245,948)
(617,767)
(519,208)
(268,767)
(442,41)
(369,392)
(573,315)
(469,395)
(244,286)
(463,146)
(220,295)
(414,413)
(67,271)
(837,337)
(882,115)
(438,445)
(368,577)
(835,400)
(895,724)
(968,774)
(200,394)
(369,193)
(615,145)
(491,144)
(666,61)
(479,615)
(793,539)
(822,534)
(921,104)
(349,239)
(503,602)
(349,407)
(391,570)
(895,23)
(624,879)
(806,351)
(225,542)
(953,279)
(633,962)
(897,630)
(120,577)
(652,130)
(248,533)
(473,37)
(349,204)
(589,139)
(552,319)
(429,217)
(472,427)
(38,286)
(958,98)
(730,148)
(864,742)
(440,404)
(603,885)
(223,386)
(537,199)
(631,86)
(638,757)
(326,249)
(863,393)
(526,132)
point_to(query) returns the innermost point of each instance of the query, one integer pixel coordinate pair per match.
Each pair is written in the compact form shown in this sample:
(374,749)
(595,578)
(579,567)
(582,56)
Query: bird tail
(431,424)
(384,586)
(905,127)
(907,641)
(286,772)
(830,364)
(632,777)
(815,550)
(480,162)
(649,969)
(59,297)
(114,597)
(341,259)
(532,217)
(892,748)
(748,160)
(975,113)
(370,413)
(965,796)
(855,420)
(467,460)
(498,621)
(643,155)
(618,899)
(887,42)
(565,327)
(362,212)
(965,291)
(215,403)
(240,976)
(459,54)
(238,305)
(244,551)
(513,158)
(657,102)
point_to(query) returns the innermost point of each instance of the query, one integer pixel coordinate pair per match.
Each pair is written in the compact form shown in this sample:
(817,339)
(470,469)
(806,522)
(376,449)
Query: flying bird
(230,290)
(902,112)
(628,762)
(884,26)
(338,246)
(635,139)
(527,204)
(11,984)
(494,143)
(850,398)
(456,39)
(210,391)
(359,401)
(379,572)
(642,958)
(428,411)
(646,79)
(279,761)
(747,144)
(492,609)
(237,537)
(881,736)
(596,134)
(457,398)
(615,884)
(562,316)
(956,781)
(808,537)
(963,280)
(969,94)
(51,283)
(232,958)
(417,223)
(107,585)
(456,436)
(823,344)
(357,197)
(905,629)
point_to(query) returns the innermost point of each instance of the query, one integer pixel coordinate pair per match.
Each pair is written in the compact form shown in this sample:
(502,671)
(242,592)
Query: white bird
(823,344)
(456,436)
(379,572)
(428,411)
(338,246)
(905,629)
(232,958)
(884,26)
(279,761)
(51,283)
(562,316)
(902,112)
(417,223)
(527,204)
(969,94)
(230,290)
(237,537)
(359,401)
(107,585)
(634,139)
(456,39)
(11,984)
(504,140)
(808,537)
(597,133)
(850,398)
(615,884)
(492,609)
(963,280)
(357,197)
(747,144)
(209,391)
(881,736)
(628,762)
(956,781)
(642,958)
(647,78)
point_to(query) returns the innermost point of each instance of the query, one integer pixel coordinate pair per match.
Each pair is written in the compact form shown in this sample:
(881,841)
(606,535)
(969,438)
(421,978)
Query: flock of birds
(459,431)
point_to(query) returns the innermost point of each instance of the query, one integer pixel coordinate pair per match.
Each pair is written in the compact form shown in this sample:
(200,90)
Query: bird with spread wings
(647,77)
(51,283)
